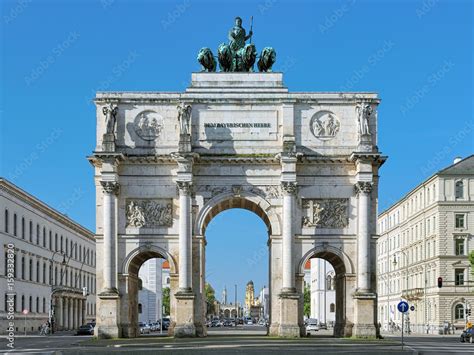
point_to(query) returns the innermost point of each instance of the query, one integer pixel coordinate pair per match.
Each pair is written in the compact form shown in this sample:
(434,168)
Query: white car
(249,322)
(312,326)
(144,328)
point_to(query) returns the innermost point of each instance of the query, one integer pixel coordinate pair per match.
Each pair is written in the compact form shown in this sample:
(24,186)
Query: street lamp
(406,279)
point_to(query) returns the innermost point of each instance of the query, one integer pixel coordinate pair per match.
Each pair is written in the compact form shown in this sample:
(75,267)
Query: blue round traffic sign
(402,307)
(412,308)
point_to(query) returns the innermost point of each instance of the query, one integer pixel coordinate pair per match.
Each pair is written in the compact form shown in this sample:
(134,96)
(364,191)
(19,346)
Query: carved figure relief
(324,125)
(149,213)
(149,125)
(110,112)
(184,118)
(325,213)
(363,111)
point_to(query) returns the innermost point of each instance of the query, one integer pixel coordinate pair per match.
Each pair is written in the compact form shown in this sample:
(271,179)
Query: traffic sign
(412,308)
(402,307)
(468,325)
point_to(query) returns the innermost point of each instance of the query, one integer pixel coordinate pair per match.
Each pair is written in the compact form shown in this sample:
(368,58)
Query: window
(44,237)
(30,304)
(459,277)
(23,268)
(14,224)
(31,231)
(22,227)
(22,302)
(459,220)
(44,305)
(6,221)
(44,273)
(50,240)
(332,308)
(459,246)
(61,248)
(37,271)
(459,311)
(56,242)
(459,189)
(37,234)
(139,308)
(37,305)
(31,270)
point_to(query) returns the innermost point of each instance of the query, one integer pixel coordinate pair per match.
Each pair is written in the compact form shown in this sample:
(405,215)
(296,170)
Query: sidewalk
(398,334)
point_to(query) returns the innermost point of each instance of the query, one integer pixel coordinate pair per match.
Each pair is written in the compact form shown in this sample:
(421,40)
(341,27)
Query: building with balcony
(47,265)
(425,236)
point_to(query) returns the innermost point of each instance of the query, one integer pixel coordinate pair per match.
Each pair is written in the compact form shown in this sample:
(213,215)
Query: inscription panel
(237,125)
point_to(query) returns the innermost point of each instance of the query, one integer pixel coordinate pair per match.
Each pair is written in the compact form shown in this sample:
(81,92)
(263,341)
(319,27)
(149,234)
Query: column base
(108,308)
(365,322)
(288,326)
(343,329)
(184,327)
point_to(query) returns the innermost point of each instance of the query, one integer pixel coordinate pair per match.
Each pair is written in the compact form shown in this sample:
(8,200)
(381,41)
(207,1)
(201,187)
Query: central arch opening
(237,288)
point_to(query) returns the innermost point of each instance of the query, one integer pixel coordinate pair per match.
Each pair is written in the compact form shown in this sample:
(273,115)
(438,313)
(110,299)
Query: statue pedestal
(108,142)
(289,327)
(365,143)
(184,143)
(365,312)
(108,307)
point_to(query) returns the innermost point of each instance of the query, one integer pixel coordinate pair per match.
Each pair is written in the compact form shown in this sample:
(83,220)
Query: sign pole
(403,318)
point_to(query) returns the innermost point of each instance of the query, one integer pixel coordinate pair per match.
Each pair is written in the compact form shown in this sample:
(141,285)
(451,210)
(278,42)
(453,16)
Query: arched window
(459,311)
(167,280)
(459,189)
(67,248)
(56,275)
(56,242)
(139,308)
(23,227)
(37,234)
(6,220)
(31,231)
(332,308)
(329,282)
(44,237)
(61,245)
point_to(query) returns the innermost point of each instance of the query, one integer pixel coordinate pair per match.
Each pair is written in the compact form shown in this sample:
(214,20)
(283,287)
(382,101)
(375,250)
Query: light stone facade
(33,236)
(246,143)
(421,232)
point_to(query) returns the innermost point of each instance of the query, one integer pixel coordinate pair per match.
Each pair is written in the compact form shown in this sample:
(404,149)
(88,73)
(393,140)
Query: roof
(166,264)
(307,266)
(36,203)
(463,167)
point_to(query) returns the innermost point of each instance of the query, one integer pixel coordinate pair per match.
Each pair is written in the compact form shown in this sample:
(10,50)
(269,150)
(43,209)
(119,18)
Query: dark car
(86,329)
(466,335)
(166,324)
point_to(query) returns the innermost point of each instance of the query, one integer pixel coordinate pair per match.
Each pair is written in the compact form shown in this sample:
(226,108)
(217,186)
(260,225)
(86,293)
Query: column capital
(289,187)
(363,187)
(110,187)
(184,187)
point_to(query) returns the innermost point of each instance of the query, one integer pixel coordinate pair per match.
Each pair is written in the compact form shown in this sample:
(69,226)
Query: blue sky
(56,54)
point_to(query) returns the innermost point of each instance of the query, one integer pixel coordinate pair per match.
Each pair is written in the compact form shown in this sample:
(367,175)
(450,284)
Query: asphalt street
(243,340)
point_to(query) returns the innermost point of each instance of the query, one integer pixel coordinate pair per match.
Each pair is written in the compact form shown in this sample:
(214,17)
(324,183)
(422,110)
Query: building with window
(319,276)
(425,238)
(154,277)
(45,255)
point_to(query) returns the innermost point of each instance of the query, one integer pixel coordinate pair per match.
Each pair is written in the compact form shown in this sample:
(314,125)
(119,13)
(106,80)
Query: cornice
(35,203)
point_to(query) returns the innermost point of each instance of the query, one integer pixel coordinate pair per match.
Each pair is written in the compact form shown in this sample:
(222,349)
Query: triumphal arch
(166,163)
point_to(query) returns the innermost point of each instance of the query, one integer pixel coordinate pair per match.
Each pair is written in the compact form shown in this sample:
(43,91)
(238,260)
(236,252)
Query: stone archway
(128,283)
(345,282)
(243,200)
(306,163)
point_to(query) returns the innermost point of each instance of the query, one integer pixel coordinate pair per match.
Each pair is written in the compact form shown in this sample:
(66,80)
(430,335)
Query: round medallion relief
(324,125)
(148,125)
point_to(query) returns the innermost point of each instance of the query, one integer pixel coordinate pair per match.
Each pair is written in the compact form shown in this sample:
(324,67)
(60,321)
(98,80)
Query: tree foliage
(210,297)
(307,301)
(471,260)
(166,301)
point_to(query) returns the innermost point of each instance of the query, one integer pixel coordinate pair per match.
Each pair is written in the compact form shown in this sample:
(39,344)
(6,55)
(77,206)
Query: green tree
(471,260)
(307,301)
(166,301)
(210,297)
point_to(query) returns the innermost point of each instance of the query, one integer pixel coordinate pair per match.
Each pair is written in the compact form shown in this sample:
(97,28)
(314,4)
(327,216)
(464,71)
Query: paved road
(246,340)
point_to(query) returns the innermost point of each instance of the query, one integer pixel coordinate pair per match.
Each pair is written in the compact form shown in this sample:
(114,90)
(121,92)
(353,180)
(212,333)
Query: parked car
(215,323)
(312,326)
(249,322)
(467,335)
(323,325)
(86,329)
(144,328)
(240,321)
(166,323)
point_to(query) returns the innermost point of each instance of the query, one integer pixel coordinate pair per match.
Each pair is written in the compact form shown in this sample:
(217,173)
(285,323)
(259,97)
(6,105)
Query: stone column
(363,189)
(111,189)
(185,297)
(288,280)
(83,311)
(66,313)
(185,236)
(365,311)
(58,319)
(70,315)
(289,297)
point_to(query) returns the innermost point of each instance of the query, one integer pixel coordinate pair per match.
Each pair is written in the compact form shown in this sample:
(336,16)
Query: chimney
(457,160)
